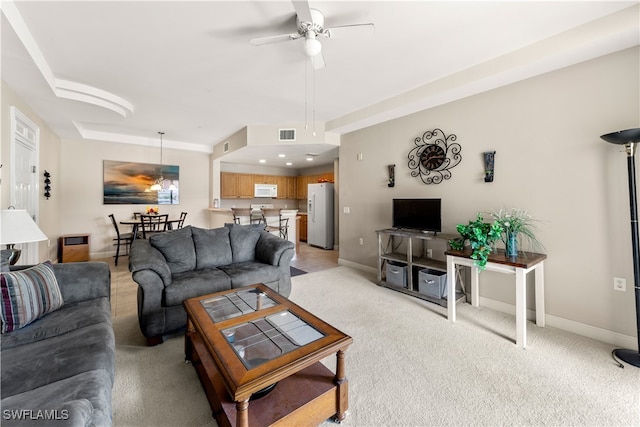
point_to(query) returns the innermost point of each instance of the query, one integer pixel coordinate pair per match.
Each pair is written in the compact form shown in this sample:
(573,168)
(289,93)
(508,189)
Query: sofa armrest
(271,249)
(143,256)
(83,281)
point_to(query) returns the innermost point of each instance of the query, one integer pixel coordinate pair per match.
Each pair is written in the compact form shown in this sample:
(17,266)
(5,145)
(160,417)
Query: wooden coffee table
(257,355)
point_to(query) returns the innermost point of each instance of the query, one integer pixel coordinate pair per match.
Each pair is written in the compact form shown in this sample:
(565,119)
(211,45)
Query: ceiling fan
(310,26)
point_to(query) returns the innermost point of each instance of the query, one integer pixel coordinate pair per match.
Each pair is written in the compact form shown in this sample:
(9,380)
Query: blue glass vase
(511,248)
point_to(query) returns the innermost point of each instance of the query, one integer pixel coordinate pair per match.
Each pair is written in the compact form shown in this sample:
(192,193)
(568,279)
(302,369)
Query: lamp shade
(17,226)
(623,136)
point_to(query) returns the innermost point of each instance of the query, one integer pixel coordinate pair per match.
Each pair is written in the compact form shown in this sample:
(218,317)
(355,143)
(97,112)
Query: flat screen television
(418,214)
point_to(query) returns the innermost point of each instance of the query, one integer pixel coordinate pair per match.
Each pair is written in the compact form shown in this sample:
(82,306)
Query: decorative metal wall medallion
(433,156)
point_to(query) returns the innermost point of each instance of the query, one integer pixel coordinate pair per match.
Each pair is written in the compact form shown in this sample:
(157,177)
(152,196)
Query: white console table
(498,261)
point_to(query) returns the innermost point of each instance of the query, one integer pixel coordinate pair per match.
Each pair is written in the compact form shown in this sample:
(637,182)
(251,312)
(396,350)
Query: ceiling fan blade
(274,39)
(364,30)
(302,10)
(318,61)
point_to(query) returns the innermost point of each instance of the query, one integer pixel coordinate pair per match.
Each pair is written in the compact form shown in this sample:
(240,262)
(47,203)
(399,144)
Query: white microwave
(266,190)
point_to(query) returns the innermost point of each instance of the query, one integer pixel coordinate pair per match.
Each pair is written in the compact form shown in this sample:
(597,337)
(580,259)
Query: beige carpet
(408,366)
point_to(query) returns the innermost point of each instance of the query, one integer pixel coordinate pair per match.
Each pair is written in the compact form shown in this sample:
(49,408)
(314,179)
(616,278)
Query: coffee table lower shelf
(307,397)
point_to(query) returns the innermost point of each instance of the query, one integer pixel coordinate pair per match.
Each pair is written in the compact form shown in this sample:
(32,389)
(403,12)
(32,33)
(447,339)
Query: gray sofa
(176,265)
(59,369)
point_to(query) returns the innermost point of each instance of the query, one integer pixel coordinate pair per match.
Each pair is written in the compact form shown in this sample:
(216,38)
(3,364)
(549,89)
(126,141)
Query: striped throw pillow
(28,295)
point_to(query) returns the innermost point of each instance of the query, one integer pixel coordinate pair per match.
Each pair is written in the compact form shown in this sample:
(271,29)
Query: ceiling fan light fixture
(312,46)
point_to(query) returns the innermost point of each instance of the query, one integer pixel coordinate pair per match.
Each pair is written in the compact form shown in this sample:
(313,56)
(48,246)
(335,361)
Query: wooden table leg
(242,413)
(342,401)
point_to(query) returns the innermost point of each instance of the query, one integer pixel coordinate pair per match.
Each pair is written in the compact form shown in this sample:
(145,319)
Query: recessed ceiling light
(288,163)
(262,161)
(282,155)
(309,159)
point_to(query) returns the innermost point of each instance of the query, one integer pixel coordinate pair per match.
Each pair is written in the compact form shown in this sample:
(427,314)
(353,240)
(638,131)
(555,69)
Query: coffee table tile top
(228,306)
(261,340)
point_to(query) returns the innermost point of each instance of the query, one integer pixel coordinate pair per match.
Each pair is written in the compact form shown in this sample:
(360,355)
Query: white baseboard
(356,266)
(572,326)
(589,331)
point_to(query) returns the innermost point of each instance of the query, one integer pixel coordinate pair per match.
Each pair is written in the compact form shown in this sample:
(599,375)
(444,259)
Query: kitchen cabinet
(292,187)
(228,185)
(241,185)
(303,227)
(304,181)
(245,186)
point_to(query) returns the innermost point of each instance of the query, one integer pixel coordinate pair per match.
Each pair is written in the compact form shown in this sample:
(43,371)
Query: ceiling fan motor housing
(317,24)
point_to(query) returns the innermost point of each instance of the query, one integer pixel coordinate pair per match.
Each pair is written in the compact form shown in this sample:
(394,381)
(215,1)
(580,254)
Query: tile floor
(124,289)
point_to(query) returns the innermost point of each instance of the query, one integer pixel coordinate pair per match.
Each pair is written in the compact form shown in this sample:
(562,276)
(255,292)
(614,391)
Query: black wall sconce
(489,160)
(392,176)
(47,184)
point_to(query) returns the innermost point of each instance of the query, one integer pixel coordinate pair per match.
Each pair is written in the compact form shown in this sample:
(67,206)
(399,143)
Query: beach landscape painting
(128,183)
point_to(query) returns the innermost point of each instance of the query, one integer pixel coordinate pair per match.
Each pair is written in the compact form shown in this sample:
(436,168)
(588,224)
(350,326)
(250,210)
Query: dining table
(135,223)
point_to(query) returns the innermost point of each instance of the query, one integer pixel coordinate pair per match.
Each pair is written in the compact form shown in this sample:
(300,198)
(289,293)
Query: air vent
(225,147)
(287,134)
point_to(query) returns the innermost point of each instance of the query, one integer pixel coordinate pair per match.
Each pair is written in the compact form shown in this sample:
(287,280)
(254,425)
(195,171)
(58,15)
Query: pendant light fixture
(157,185)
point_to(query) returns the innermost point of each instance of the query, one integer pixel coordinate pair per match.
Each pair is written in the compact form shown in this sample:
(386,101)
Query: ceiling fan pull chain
(313,101)
(306,95)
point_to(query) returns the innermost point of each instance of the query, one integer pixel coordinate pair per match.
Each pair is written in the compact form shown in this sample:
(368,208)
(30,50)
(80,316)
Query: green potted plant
(481,236)
(517,225)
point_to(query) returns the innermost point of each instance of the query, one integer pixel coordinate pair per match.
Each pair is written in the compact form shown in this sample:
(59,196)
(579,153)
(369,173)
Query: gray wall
(550,160)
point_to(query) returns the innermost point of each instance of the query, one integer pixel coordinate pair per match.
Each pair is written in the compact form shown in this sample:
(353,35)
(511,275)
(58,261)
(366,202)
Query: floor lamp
(630,138)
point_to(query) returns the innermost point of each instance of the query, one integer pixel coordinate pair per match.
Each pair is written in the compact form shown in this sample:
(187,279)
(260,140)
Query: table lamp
(17,226)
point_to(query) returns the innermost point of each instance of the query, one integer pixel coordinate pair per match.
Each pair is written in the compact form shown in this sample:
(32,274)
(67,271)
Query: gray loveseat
(176,265)
(59,369)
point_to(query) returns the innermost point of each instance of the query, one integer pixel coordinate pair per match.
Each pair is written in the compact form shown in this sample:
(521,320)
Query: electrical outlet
(361,241)
(429,253)
(346,209)
(620,284)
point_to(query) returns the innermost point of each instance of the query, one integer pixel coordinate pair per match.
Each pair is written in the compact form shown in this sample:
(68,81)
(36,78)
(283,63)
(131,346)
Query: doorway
(25,141)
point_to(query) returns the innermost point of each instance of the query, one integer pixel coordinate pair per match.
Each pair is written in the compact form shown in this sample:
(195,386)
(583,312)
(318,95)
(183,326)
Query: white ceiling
(188,69)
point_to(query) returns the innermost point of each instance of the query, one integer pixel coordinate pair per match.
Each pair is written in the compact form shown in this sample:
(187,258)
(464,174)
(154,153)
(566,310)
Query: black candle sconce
(392,175)
(489,161)
(47,184)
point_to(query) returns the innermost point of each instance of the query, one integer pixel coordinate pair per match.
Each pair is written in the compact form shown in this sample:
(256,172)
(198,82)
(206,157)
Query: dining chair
(183,215)
(152,224)
(121,238)
(241,215)
(275,222)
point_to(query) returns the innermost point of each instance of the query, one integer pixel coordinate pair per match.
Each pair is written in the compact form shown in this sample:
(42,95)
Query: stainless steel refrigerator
(320,215)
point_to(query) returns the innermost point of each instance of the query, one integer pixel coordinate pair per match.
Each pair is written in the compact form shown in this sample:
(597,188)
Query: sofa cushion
(28,295)
(177,248)
(250,272)
(64,320)
(213,247)
(86,398)
(191,284)
(36,364)
(243,239)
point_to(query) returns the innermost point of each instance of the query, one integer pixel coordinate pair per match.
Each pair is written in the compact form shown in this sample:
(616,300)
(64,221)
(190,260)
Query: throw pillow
(213,248)
(28,295)
(177,248)
(243,240)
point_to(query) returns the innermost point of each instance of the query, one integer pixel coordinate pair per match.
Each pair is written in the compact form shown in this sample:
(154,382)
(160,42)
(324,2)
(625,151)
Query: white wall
(550,160)
(82,197)
(49,159)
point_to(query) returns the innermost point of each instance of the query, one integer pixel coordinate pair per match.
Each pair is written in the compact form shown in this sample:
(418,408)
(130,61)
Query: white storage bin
(432,283)
(396,274)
